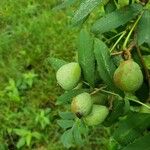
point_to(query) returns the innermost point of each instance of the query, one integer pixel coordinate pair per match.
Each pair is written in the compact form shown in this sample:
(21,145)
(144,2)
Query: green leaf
(84,130)
(67,96)
(116,18)
(36,135)
(67,115)
(147,61)
(77,134)
(65,123)
(86,7)
(86,56)
(129,137)
(21,142)
(131,127)
(64,4)
(56,63)
(3,146)
(67,138)
(21,132)
(106,67)
(12,91)
(112,144)
(110,7)
(143,143)
(143,30)
(28,139)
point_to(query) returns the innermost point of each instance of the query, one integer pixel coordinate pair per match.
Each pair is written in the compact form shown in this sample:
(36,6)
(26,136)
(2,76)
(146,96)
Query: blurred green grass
(31,33)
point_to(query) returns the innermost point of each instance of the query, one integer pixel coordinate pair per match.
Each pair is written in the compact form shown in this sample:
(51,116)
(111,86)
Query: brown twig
(116,53)
(131,45)
(98,90)
(147,75)
(127,52)
(129,49)
(111,99)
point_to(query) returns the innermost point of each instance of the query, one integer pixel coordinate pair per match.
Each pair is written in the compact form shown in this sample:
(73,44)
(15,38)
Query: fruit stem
(104,91)
(138,102)
(97,90)
(111,93)
(131,45)
(129,34)
(116,4)
(122,35)
(116,53)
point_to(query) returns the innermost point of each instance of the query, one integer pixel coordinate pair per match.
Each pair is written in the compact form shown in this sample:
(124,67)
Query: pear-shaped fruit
(128,76)
(82,104)
(68,75)
(144,109)
(97,115)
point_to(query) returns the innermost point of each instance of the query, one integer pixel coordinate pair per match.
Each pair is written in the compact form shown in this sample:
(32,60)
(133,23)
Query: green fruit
(99,98)
(144,109)
(82,104)
(128,76)
(123,3)
(97,115)
(69,75)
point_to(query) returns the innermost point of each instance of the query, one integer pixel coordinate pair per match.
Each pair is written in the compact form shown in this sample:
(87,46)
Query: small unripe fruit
(97,115)
(128,76)
(82,104)
(99,98)
(144,109)
(68,75)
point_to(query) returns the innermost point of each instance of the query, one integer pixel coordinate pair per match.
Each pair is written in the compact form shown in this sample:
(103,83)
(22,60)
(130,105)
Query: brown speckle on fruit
(82,104)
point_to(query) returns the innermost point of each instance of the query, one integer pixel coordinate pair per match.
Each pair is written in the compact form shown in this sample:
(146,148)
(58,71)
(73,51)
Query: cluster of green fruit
(92,114)
(127,77)
(68,77)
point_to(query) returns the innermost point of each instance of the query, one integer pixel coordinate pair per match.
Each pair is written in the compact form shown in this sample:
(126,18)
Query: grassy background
(30,33)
